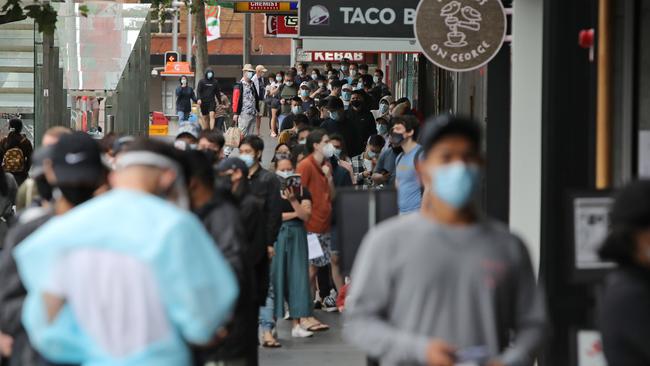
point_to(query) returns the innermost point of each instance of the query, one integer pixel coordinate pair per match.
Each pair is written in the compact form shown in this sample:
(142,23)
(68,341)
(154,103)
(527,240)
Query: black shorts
(207,107)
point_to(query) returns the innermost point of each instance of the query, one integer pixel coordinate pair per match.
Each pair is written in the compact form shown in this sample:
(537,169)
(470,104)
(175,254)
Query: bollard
(110,124)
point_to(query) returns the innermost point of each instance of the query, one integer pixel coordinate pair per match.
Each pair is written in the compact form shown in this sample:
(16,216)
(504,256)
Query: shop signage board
(281,26)
(368,45)
(337,56)
(267,7)
(460,35)
(358,19)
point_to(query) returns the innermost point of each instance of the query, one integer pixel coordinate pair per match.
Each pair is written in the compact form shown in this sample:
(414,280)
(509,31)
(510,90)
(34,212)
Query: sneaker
(299,332)
(329,304)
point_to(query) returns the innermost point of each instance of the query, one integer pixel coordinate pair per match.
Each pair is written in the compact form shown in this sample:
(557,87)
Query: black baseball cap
(40,155)
(232,163)
(76,160)
(445,125)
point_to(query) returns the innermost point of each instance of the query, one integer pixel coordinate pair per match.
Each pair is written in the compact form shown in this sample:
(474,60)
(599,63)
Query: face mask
(346,96)
(44,188)
(250,74)
(183,82)
(288,83)
(314,76)
(296,109)
(281,156)
(455,183)
(334,115)
(375,79)
(356,104)
(383,108)
(359,86)
(304,93)
(301,73)
(223,183)
(337,153)
(344,68)
(353,72)
(328,150)
(396,138)
(302,142)
(284,175)
(382,129)
(210,75)
(320,85)
(249,160)
(278,78)
(77,195)
(372,154)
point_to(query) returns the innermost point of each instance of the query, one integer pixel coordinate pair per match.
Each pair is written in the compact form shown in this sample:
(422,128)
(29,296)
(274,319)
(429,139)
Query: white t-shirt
(114,297)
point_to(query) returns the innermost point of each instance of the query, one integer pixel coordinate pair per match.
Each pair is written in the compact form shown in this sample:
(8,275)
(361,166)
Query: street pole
(189,34)
(247,39)
(175,31)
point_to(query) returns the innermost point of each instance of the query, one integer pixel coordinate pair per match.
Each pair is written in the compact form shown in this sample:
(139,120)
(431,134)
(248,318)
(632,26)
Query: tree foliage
(43,13)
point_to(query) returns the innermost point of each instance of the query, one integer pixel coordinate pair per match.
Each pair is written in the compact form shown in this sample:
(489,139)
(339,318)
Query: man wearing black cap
(218,212)
(446,286)
(73,166)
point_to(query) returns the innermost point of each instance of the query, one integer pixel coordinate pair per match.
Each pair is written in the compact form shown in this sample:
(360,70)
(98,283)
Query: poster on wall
(212,22)
(591,225)
(590,348)
(281,26)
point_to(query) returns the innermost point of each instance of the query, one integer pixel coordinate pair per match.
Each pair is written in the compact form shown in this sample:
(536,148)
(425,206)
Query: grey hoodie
(415,280)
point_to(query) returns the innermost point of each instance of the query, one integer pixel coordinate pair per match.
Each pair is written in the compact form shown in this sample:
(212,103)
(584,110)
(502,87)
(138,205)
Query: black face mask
(44,188)
(213,156)
(396,139)
(356,104)
(77,195)
(223,184)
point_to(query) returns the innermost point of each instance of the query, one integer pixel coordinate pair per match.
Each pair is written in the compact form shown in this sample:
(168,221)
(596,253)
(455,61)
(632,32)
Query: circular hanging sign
(460,35)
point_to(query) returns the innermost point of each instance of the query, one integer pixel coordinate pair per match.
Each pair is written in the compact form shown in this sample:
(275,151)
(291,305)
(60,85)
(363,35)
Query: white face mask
(314,76)
(328,150)
(376,79)
(288,83)
(353,72)
(285,174)
(250,74)
(320,85)
(183,82)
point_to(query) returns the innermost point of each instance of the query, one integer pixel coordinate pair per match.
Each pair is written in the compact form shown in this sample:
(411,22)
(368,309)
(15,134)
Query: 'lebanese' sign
(337,56)
(460,35)
(358,19)
(281,26)
(267,7)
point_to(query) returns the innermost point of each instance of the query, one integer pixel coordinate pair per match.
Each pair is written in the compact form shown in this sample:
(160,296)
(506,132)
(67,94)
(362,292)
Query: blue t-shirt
(409,188)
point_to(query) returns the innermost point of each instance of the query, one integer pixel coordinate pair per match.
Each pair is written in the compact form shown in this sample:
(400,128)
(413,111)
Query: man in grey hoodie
(446,286)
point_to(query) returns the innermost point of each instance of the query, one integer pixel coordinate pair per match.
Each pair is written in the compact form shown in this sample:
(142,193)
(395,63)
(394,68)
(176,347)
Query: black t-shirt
(286,205)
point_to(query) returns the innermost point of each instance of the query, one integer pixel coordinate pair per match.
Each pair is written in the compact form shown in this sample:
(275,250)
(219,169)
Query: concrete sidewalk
(324,349)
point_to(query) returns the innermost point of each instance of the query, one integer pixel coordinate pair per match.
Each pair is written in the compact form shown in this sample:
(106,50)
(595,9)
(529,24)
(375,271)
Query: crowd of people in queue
(134,251)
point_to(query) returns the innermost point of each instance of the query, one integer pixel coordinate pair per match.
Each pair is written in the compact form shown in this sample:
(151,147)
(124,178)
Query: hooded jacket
(208,89)
(184,97)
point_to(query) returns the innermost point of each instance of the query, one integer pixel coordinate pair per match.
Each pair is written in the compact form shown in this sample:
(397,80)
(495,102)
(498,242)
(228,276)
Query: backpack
(233,137)
(14,161)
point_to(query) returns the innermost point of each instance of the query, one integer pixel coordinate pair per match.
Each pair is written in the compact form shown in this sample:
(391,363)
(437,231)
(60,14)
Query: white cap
(346,86)
(305,84)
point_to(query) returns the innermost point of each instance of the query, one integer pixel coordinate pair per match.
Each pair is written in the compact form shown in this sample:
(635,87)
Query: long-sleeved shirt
(415,280)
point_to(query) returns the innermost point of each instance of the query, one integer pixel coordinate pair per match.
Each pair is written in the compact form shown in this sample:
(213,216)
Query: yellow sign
(158,130)
(267,7)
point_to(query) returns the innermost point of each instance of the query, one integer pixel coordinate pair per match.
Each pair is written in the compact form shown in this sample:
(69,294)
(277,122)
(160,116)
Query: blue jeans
(267,321)
(182,116)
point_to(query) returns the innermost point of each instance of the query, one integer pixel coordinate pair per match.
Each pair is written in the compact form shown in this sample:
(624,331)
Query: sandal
(270,342)
(314,326)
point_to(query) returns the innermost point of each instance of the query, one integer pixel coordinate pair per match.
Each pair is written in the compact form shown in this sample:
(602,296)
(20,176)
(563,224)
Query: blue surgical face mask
(249,160)
(455,184)
(304,93)
(296,109)
(210,75)
(279,78)
(334,115)
(382,129)
(383,108)
(337,153)
(372,154)
(314,76)
(376,79)
(346,96)
(250,74)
